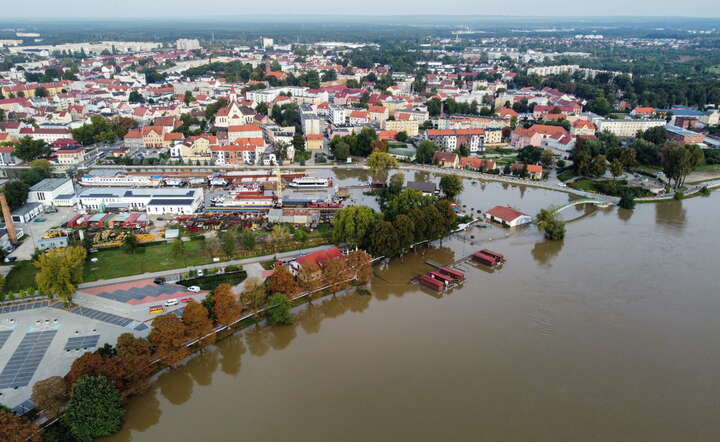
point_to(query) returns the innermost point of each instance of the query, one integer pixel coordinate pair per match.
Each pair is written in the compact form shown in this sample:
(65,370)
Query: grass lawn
(20,277)
(114,263)
(607,187)
(566,174)
(708,168)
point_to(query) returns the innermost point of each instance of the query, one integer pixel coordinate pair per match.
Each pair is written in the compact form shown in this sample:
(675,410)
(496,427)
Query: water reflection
(203,365)
(545,251)
(670,215)
(232,350)
(624,214)
(176,385)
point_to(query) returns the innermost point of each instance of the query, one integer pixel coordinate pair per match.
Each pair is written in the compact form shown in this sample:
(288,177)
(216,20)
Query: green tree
(598,166)
(188,98)
(425,152)
(397,181)
(405,229)
(352,225)
(28,149)
(94,409)
(530,155)
(278,309)
(547,159)
(247,239)
(16,193)
(407,200)
(384,240)
(451,185)
(178,248)
(548,223)
(679,160)
(227,242)
(135,97)
(616,168)
(130,243)
(627,201)
(60,271)
(341,151)
(402,136)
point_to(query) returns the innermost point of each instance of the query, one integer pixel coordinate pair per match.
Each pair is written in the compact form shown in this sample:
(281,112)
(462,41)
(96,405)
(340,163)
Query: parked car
(171,302)
(186,300)
(10,258)
(39,220)
(200,272)
(193,288)
(159,281)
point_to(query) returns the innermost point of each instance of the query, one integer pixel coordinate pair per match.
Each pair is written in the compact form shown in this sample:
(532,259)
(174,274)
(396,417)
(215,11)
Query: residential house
(451,139)
(243,151)
(446,159)
(244,131)
(314,141)
(508,216)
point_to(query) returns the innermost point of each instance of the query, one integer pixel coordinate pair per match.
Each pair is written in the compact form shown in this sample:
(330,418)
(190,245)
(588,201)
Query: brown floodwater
(609,335)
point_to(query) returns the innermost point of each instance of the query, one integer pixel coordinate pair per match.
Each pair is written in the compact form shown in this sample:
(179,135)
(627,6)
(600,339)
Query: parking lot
(35,230)
(39,342)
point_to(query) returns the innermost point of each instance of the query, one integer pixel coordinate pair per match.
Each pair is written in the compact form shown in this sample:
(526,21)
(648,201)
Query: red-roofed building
(535,135)
(7,158)
(244,131)
(477,164)
(317,258)
(507,113)
(243,151)
(582,127)
(507,216)
(642,111)
(446,159)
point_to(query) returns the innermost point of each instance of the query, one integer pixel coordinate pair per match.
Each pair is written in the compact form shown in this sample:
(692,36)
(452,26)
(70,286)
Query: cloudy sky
(210,8)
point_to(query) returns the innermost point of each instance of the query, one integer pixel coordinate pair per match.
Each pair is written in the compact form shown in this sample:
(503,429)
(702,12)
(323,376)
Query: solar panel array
(141,327)
(21,307)
(82,342)
(22,364)
(139,293)
(4,335)
(23,408)
(102,316)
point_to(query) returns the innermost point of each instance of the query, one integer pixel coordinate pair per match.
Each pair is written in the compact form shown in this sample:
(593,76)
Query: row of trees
(360,145)
(408,218)
(103,130)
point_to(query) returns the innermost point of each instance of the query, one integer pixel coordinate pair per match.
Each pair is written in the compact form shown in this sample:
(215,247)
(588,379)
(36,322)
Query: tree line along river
(610,334)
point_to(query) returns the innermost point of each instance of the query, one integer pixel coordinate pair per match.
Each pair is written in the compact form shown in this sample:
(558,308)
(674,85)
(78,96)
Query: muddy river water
(609,335)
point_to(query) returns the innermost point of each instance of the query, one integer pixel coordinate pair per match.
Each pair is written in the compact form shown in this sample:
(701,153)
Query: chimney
(7,215)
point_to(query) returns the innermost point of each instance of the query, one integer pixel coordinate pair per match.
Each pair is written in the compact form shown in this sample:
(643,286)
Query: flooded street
(608,335)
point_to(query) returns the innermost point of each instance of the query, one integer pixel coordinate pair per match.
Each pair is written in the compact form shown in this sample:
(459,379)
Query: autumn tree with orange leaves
(95,364)
(225,307)
(135,354)
(198,321)
(283,281)
(335,273)
(15,428)
(168,337)
(360,263)
(310,277)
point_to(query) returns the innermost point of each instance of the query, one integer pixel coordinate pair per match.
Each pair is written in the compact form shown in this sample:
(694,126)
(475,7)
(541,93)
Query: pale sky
(111,9)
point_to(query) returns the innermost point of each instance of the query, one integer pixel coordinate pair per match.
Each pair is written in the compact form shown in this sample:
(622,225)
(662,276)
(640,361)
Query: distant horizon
(236,15)
(463,9)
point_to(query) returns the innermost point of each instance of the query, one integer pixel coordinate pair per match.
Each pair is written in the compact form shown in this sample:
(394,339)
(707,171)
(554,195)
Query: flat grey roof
(170,202)
(25,209)
(49,184)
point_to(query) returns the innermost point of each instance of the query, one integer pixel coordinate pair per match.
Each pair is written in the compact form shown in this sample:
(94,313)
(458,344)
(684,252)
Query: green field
(114,263)
(20,277)
(608,187)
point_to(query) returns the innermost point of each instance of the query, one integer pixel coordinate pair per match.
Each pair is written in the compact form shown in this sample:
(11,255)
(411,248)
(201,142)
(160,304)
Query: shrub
(679,194)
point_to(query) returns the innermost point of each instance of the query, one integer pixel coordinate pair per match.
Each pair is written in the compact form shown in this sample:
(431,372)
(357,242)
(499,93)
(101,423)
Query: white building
(153,201)
(267,43)
(628,128)
(48,190)
(187,44)
(118,178)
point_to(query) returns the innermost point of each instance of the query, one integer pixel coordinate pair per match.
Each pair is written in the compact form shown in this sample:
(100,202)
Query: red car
(186,300)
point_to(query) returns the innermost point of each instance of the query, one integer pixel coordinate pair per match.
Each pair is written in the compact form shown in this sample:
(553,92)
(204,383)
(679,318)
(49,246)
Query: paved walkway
(170,274)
